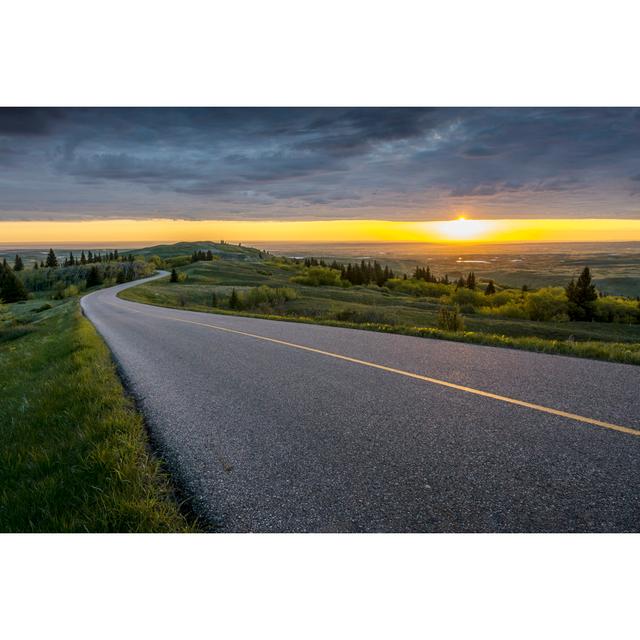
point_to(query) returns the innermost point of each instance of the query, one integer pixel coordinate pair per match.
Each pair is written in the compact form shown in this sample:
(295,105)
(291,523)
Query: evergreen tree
(490,290)
(94,277)
(174,276)
(35,265)
(120,278)
(52,260)
(234,300)
(18,265)
(471,281)
(11,287)
(83,258)
(214,299)
(581,295)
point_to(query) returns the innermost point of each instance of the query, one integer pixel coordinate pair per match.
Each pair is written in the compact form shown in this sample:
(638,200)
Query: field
(207,286)
(74,454)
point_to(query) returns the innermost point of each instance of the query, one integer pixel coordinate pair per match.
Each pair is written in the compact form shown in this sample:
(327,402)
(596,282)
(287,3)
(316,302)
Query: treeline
(206,256)
(53,262)
(362,273)
(69,276)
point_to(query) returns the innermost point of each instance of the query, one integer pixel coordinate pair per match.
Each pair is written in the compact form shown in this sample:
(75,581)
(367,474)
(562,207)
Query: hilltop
(223,250)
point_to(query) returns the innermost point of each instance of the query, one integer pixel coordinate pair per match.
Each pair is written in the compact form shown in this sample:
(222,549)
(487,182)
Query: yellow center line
(409,374)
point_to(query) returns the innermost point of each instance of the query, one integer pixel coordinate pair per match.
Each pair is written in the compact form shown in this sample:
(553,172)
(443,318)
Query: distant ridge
(222,249)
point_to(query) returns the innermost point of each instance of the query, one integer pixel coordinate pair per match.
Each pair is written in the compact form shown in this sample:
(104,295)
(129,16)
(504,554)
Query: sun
(461,229)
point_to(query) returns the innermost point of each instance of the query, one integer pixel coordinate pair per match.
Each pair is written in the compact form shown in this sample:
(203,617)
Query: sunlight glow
(461,231)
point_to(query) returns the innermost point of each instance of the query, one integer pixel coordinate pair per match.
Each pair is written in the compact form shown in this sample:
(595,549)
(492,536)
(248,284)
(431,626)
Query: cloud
(283,162)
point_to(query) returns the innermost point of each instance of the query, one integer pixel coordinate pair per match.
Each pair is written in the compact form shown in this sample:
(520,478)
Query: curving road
(277,426)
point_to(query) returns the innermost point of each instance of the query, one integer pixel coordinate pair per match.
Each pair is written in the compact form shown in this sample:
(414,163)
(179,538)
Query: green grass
(386,311)
(74,454)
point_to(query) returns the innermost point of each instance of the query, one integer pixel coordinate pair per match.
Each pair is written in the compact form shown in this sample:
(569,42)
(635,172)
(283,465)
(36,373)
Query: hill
(223,250)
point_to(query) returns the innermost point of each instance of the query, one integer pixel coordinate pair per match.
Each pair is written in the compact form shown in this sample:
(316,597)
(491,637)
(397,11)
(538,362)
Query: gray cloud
(264,163)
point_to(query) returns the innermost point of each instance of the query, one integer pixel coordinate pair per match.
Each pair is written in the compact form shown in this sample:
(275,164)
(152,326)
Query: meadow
(270,286)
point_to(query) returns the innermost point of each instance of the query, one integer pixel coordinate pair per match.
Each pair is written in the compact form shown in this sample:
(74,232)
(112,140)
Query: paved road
(268,436)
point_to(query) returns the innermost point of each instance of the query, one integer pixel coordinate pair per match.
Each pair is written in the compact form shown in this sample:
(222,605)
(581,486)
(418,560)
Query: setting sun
(462,229)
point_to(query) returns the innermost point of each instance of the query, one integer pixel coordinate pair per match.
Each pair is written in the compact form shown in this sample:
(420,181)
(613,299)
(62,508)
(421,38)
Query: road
(278,426)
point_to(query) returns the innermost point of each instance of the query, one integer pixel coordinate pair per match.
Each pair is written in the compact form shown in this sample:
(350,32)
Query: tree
(582,295)
(11,287)
(490,290)
(120,278)
(94,277)
(174,276)
(35,265)
(214,299)
(471,281)
(234,300)
(52,260)
(83,258)
(18,264)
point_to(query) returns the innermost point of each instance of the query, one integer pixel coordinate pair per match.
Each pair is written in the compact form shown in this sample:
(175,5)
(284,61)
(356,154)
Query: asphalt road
(272,432)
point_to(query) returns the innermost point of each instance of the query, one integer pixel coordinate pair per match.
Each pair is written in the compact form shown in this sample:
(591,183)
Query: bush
(419,287)
(449,319)
(364,316)
(616,309)
(319,277)
(264,296)
(547,304)
(464,296)
(509,310)
(60,292)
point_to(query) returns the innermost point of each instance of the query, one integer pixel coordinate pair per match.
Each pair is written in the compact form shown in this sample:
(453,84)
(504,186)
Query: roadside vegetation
(74,453)
(574,320)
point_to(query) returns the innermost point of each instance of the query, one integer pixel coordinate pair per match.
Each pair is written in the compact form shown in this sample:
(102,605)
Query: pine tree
(490,290)
(83,258)
(174,276)
(234,300)
(18,265)
(581,295)
(52,260)
(35,265)
(94,277)
(471,281)
(11,287)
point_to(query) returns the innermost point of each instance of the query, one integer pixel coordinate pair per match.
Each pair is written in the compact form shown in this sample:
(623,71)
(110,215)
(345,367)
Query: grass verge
(74,454)
(623,352)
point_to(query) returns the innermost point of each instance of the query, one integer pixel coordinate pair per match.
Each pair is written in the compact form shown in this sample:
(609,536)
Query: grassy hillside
(208,286)
(74,454)
(222,250)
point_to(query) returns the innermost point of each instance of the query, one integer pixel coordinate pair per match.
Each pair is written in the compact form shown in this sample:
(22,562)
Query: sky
(169,173)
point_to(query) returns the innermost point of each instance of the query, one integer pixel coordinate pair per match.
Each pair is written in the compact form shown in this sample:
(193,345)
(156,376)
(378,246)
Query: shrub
(419,287)
(549,303)
(449,319)
(364,316)
(42,308)
(267,296)
(509,310)
(468,297)
(319,277)
(616,309)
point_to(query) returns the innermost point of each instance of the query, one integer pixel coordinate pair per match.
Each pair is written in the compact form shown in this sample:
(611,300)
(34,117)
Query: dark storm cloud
(266,162)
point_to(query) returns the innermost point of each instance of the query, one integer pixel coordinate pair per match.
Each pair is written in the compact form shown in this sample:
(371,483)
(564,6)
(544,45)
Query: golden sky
(454,231)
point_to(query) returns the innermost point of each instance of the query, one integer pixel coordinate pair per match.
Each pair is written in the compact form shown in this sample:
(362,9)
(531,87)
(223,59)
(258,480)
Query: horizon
(454,175)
